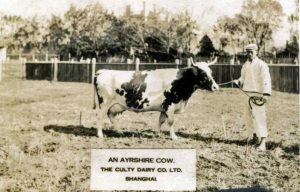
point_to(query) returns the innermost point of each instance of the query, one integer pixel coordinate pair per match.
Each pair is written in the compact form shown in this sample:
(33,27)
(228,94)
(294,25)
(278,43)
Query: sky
(205,12)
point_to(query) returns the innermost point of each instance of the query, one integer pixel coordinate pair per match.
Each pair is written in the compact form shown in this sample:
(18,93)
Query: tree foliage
(229,31)
(29,36)
(92,31)
(255,24)
(206,46)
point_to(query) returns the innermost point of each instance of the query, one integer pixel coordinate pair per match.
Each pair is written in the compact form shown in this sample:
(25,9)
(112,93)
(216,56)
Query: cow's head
(203,73)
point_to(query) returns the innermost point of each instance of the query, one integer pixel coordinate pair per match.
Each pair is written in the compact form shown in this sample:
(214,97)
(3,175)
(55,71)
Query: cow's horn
(192,61)
(213,62)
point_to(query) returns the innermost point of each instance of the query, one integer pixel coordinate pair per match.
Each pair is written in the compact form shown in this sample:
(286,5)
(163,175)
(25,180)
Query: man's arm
(240,81)
(266,82)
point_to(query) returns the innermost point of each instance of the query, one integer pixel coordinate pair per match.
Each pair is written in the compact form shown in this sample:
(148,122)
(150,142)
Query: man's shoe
(262,145)
(261,148)
(255,140)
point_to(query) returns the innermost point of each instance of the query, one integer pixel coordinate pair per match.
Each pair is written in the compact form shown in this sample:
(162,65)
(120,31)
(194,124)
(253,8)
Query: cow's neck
(181,89)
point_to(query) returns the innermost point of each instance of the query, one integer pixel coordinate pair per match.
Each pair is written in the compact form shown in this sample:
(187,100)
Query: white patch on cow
(109,80)
(157,82)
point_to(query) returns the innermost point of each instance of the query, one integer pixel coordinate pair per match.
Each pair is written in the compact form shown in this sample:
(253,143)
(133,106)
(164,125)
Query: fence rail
(31,56)
(285,78)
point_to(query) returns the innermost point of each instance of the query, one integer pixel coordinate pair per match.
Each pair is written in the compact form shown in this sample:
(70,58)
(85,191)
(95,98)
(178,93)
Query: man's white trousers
(256,120)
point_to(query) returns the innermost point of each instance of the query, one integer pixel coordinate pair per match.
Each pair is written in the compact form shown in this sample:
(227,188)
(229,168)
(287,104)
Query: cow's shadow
(79,130)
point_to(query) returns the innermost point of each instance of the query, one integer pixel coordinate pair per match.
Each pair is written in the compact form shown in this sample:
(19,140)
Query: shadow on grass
(78,130)
(209,139)
(294,149)
(248,189)
(271,145)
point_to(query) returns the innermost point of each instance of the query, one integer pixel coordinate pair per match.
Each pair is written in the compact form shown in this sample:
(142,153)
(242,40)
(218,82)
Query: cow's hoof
(255,140)
(261,148)
(159,134)
(174,137)
(100,134)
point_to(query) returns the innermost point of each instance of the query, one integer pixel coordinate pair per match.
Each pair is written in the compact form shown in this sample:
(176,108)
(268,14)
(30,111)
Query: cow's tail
(100,99)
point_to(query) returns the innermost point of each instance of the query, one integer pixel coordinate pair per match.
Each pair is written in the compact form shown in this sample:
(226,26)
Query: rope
(255,100)
(225,83)
(252,99)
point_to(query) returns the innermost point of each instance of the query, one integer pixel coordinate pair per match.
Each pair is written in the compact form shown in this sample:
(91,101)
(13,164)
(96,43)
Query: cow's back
(135,89)
(109,80)
(155,80)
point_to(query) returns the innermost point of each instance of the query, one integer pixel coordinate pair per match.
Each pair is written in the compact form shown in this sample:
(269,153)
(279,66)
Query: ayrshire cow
(164,90)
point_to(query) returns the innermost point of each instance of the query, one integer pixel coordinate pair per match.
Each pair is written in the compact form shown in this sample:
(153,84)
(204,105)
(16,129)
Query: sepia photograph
(149,95)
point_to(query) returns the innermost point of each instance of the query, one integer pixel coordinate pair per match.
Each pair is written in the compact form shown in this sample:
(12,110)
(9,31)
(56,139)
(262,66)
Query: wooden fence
(285,78)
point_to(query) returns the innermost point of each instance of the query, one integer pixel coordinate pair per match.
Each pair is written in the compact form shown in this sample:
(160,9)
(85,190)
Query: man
(255,80)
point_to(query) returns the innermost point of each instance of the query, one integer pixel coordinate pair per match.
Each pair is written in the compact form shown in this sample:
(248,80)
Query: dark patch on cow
(120,92)
(100,99)
(182,88)
(134,90)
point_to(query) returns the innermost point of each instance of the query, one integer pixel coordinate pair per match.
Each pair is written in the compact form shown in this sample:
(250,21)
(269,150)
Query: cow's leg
(102,118)
(113,111)
(100,121)
(162,119)
(170,116)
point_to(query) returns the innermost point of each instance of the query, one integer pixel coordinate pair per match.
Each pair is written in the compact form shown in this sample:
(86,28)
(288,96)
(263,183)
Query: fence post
(88,64)
(47,56)
(23,60)
(1,62)
(137,64)
(93,69)
(55,69)
(189,62)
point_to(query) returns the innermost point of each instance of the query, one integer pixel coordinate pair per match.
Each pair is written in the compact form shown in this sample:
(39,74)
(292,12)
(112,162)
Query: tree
(206,46)
(183,26)
(229,32)
(255,24)
(124,34)
(293,19)
(86,29)
(57,35)
(259,20)
(8,26)
(29,36)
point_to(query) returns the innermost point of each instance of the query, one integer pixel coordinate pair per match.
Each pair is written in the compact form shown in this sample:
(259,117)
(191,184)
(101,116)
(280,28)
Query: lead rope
(252,99)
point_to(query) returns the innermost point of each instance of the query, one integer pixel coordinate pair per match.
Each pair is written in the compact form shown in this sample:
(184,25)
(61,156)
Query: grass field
(45,145)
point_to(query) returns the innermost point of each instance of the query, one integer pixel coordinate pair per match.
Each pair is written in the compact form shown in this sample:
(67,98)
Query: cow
(164,90)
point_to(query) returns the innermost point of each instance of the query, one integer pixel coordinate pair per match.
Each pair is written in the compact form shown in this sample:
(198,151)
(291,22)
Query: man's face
(251,54)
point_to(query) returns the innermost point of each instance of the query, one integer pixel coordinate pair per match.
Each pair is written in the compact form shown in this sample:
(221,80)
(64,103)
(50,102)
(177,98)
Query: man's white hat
(251,47)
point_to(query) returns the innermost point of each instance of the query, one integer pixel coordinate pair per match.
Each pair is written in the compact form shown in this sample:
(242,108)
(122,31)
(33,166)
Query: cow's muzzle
(214,87)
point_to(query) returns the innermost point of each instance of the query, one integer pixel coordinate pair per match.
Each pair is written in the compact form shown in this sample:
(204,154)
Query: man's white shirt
(255,77)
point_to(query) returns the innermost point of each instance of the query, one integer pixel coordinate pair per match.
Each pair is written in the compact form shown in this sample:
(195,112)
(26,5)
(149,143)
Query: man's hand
(265,98)
(236,82)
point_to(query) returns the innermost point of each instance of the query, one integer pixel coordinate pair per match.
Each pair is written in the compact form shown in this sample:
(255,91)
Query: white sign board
(143,169)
